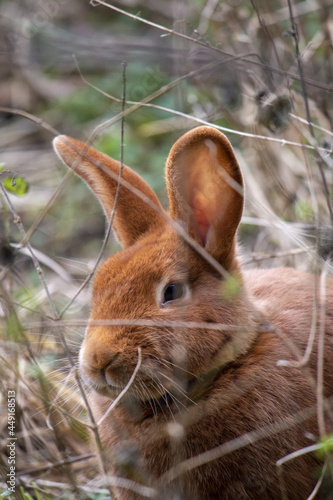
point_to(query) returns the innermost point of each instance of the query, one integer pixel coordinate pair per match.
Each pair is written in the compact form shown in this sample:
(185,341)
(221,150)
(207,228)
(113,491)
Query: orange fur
(217,384)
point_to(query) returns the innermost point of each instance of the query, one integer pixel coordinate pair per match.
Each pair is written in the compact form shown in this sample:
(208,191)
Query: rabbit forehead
(134,273)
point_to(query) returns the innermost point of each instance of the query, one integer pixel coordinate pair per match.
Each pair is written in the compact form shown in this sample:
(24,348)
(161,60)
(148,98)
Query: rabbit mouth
(169,404)
(156,391)
(143,392)
(145,402)
(197,389)
(107,391)
(151,400)
(166,396)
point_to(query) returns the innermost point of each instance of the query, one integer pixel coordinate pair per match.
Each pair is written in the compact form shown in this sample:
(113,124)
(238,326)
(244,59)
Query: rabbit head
(177,275)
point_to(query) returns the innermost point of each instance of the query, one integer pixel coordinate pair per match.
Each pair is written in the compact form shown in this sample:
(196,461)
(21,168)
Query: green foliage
(36,495)
(231,287)
(83,105)
(304,210)
(325,446)
(14,329)
(15,185)
(5,494)
(24,495)
(27,496)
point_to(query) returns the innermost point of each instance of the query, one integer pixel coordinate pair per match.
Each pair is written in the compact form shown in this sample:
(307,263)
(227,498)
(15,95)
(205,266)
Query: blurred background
(262,76)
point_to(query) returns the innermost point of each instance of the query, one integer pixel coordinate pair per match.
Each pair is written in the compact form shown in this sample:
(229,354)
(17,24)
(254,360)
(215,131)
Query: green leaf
(303,210)
(326,446)
(25,495)
(5,494)
(2,166)
(231,287)
(13,329)
(17,185)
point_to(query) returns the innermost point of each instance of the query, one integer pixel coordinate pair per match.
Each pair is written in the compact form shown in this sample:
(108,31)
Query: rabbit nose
(97,352)
(101,360)
(110,363)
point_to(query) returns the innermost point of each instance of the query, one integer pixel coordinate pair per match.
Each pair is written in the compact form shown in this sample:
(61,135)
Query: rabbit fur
(210,410)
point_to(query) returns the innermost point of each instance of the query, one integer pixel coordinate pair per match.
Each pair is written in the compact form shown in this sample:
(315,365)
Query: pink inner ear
(205,207)
(201,175)
(201,217)
(204,194)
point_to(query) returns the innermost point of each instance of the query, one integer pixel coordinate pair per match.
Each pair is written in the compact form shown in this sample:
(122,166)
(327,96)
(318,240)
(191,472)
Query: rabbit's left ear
(138,209)
(205,188)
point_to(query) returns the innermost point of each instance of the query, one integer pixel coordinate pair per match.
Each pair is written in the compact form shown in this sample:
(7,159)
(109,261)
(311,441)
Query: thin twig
(34,226)
(320,355)
(258,256)
(143,322)
(294,34)
(123,392)
(297,454)
(168,31)
(29,116)
(35,261)
(267,33)
(111,220)
(128,484)
(314,125)
(94,427)
(44,468)
(235,444)
(313,495)
(146,103)
(37,395)
(46,260)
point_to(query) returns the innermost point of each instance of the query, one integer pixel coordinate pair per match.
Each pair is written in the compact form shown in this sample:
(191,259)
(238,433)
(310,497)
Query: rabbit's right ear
(134,216)
(205,190)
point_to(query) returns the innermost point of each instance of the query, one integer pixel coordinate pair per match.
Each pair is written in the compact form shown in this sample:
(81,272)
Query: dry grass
(247,71)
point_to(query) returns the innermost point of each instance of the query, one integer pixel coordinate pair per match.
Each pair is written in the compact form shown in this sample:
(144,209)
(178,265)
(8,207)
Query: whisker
(148,397)
(166,362)
(178,387)
(164,392)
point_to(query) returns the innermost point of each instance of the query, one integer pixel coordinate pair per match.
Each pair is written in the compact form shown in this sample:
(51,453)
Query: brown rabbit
(210,410)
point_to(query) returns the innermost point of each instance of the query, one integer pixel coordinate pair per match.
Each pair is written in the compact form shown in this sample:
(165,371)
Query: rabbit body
(220,394)
(250,394)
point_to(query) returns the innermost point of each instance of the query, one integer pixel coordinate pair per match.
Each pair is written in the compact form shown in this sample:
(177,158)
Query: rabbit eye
(173,291)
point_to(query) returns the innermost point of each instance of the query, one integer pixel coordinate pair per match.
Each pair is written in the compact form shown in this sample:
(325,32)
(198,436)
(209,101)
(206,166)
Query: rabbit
(194,344)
